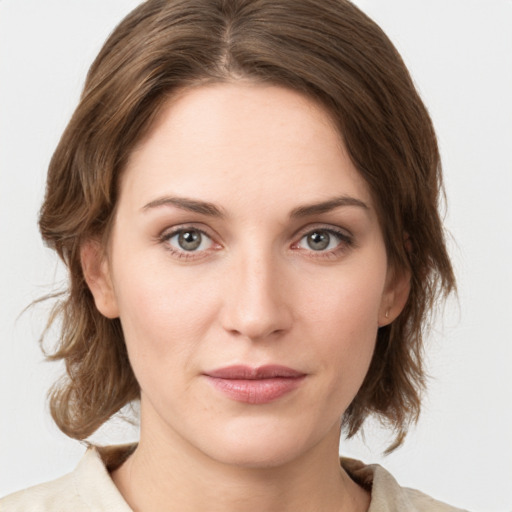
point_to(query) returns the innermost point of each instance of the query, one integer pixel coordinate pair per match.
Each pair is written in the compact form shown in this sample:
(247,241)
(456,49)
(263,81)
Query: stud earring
(386,314)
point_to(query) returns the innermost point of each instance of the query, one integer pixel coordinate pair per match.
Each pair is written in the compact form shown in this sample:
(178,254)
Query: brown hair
(328,50)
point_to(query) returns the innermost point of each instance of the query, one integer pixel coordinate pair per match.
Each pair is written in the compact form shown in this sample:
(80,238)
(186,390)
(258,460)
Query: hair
(327,50)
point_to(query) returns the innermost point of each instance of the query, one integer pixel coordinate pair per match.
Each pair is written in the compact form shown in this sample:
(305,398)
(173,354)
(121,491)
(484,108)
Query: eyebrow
(184,203)
(327,206)
(211,210)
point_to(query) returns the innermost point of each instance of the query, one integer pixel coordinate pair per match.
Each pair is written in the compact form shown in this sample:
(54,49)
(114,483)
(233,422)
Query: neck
(163,476)
(158,478)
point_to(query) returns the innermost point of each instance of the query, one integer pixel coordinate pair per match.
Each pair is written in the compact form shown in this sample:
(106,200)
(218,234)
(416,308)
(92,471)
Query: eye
(188,240)
(323,240)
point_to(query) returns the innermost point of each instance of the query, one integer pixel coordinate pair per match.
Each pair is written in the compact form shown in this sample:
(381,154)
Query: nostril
(255,327)
(254,305)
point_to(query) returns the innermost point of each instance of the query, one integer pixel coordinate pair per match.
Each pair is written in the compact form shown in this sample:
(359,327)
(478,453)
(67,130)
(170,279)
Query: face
(249,272)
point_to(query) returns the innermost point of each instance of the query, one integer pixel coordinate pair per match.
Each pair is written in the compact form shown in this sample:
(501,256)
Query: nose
(257,303)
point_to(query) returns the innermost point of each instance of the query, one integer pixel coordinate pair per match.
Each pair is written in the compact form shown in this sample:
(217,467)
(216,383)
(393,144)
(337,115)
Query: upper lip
(242,372)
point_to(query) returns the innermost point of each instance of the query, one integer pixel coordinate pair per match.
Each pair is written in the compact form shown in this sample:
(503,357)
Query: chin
(257,455)
(262,446)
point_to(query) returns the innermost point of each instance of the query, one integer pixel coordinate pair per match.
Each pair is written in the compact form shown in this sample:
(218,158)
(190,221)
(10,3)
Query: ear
(96,270)
(395,295)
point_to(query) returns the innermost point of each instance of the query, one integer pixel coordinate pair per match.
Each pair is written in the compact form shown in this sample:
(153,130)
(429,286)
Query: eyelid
(170,232)
(346,238)
(332,228)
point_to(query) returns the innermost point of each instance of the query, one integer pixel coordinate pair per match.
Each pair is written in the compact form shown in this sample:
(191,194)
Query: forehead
(242,140)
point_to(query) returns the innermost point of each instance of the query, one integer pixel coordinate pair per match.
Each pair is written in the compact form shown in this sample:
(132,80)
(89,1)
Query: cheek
(343,317)
(347,300)
(164,315)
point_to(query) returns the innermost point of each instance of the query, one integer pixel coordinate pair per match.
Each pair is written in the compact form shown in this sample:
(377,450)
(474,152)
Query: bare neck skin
(163,476)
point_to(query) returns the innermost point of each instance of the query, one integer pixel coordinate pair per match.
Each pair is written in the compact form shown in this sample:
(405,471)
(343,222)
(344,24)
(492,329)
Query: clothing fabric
(89,488)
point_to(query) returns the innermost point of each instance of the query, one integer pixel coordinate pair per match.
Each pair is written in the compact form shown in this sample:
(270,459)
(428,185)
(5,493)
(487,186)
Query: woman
(246,199)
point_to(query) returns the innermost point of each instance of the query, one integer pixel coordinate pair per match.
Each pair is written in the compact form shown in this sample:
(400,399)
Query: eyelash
(345,242)
(166,236)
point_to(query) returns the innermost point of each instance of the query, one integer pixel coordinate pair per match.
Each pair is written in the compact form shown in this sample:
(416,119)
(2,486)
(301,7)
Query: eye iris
(319,240)
(189,240)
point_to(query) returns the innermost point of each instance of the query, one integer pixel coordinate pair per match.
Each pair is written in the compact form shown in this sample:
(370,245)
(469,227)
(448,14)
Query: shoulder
(424,503)
(55,496)
(88,488)
(387,495)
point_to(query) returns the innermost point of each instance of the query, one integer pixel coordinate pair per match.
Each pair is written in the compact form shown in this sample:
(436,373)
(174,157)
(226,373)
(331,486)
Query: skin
(255,292)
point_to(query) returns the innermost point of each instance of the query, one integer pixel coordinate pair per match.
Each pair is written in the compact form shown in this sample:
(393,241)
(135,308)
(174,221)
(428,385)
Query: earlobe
(395,297)
(96,270)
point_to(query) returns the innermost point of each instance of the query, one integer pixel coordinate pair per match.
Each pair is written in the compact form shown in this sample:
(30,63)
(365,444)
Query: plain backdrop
(460,55)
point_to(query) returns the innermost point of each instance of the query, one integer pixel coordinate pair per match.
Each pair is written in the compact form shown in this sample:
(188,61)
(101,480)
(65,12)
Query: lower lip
(256,391)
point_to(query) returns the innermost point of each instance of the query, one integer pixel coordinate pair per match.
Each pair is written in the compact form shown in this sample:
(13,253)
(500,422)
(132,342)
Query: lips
(255,385)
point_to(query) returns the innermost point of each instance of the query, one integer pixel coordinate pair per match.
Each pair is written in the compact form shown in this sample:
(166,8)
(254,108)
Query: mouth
(255,385)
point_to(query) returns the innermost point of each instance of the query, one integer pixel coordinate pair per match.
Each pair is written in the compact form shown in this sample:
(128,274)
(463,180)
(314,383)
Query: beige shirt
(89,488)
